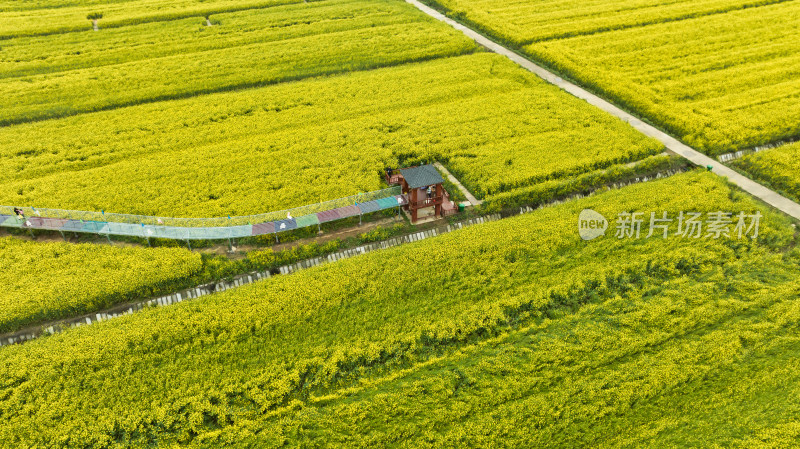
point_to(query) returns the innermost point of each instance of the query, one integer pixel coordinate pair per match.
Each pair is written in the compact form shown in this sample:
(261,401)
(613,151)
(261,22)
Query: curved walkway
(201,229)
(35,331)
(770,197)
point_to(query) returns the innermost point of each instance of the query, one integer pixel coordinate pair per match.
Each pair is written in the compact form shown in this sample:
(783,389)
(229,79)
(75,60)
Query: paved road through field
(770,197)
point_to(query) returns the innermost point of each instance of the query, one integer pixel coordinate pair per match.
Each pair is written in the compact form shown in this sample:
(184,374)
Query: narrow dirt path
(770,197)
(470,197)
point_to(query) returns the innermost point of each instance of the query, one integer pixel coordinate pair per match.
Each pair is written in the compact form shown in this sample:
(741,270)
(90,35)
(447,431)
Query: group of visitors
(21,216)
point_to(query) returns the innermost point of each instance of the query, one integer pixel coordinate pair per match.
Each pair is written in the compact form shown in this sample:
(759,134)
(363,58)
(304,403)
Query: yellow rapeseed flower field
(515,332)
(776,167)
(721,75)
(496,126)
(47,281)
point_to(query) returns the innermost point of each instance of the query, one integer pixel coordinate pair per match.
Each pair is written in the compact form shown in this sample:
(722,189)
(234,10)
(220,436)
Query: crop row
(328,51)
(51,17)
(613,323)
(525,21)
(282,146)
(58,53)
(48,281)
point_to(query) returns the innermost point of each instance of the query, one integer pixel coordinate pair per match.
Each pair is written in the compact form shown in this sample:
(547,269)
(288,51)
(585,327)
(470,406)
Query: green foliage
(95,16)
(513,332)
(380,233)
(267,259)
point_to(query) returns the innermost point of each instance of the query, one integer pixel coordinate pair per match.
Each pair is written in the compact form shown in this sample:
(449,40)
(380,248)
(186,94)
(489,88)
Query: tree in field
(94,17)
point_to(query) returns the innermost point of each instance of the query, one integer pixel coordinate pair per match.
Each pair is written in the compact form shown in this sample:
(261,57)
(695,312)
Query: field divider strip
(766,195)
(728,157)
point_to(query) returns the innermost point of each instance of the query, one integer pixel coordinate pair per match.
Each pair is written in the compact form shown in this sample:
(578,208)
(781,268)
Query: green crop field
(298,143)
(720,82)
(543,339)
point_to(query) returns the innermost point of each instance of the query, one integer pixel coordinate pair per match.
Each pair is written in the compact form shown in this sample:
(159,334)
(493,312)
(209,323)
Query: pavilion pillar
(439,194)
(414,193)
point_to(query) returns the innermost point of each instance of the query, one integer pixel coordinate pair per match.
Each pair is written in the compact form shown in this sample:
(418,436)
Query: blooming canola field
(47,17)
(297,44)
(493,349)
(659,314)
(719,75)
(44,282)
(497,127)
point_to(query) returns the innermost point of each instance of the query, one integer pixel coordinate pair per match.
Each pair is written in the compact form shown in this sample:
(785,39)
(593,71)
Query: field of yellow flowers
(526,21)
(57,52)
(720,75)
(48,281)
(497,127)
(47,17)
(514,333)
(295,42)
(776,167)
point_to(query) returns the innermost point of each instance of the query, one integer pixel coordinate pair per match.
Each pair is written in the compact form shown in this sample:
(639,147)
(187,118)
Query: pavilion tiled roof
(422,176)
